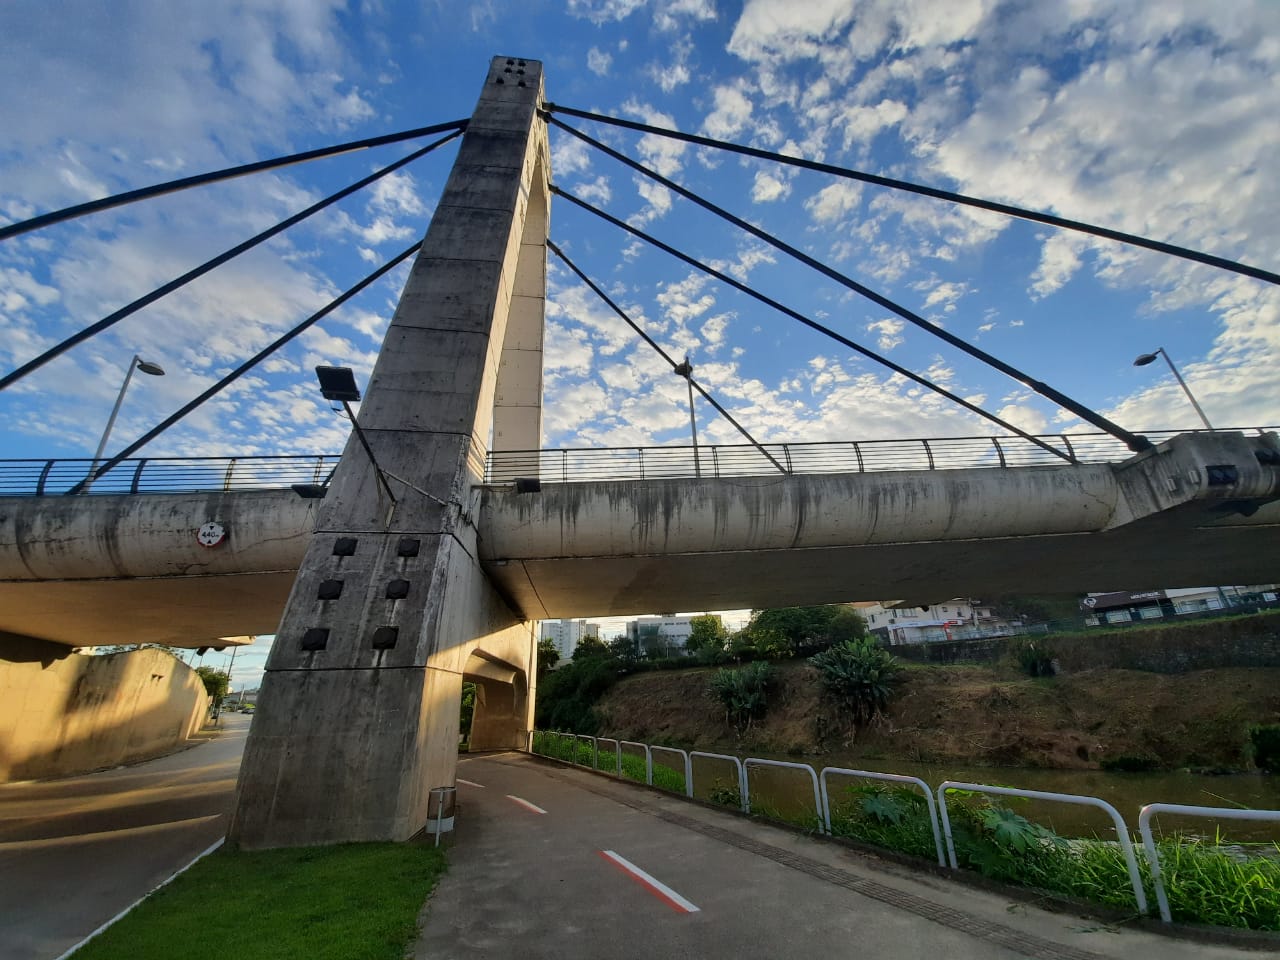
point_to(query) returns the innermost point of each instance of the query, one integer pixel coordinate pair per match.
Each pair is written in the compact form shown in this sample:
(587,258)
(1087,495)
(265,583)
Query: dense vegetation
(1204,883)
(567,694)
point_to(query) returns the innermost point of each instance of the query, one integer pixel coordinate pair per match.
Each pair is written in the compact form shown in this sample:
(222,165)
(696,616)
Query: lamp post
(1146,358)
(685,369)
(153,369)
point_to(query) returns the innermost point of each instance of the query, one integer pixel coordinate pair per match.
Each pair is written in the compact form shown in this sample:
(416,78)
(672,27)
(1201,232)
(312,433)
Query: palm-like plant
(861,676)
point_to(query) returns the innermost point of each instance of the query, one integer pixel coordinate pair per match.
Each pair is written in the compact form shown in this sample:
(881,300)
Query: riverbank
(974,715)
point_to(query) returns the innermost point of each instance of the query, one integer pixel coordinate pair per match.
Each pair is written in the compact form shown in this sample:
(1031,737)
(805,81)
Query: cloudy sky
(1155,118)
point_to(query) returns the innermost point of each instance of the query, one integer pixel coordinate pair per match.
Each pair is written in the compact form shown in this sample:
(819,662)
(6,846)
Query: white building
(567,634)
(957,619)
(1126,607)
(673,631)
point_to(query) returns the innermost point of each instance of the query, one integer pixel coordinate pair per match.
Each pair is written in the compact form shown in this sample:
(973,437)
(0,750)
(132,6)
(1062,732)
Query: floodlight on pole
(339,383)
(137,363)
(685,369)
(1145,358)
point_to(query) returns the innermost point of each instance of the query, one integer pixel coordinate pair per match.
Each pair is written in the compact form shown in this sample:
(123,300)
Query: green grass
(580,752)
(351,902)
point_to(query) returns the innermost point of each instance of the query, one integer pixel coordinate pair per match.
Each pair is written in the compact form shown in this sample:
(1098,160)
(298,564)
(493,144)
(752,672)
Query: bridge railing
(25,478)
(850,456)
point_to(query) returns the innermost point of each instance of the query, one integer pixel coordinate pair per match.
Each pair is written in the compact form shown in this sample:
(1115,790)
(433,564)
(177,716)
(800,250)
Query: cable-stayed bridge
(443,532)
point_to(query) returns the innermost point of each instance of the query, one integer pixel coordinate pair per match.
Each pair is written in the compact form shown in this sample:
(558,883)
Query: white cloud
(595,190)
(598,61)
(890,331)
(835,202)
(731,114)
(768,188)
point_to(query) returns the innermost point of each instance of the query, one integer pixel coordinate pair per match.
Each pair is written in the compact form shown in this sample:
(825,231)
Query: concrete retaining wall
(1252,641)
(62,714)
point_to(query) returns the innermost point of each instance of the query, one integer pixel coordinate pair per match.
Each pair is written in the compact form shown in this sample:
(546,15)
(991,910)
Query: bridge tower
(358,715)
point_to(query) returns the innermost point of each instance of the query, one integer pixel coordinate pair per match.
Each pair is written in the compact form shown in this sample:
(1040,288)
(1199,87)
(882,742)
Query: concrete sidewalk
(557,863)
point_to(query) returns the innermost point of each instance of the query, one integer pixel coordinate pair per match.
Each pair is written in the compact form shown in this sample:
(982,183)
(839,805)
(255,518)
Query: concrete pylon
(358,715)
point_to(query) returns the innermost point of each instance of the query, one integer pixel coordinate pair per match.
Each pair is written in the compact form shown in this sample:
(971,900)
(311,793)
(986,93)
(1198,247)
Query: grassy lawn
(352,902)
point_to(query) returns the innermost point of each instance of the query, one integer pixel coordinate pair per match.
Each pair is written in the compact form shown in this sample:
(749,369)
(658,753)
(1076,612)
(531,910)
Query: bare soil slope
(975,715)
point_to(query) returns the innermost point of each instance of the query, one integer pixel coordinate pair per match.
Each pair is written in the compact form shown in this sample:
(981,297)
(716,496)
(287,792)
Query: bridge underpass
(403,591)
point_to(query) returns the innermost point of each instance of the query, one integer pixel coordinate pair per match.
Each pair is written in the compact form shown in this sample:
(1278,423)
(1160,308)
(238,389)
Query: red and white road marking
(654,885)
(533,807)
(469,783)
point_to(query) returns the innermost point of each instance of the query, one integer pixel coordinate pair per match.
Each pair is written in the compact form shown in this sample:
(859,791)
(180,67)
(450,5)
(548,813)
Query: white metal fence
(564,746)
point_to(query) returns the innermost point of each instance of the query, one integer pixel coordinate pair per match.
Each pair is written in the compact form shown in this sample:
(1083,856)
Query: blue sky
(1154,118)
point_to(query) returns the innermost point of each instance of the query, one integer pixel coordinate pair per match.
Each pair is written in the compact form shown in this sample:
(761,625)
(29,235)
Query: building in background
(957,619)
(667,634)
(1125,607)
(567,634)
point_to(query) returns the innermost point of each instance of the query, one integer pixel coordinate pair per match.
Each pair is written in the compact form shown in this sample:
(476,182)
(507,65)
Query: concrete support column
(358,715)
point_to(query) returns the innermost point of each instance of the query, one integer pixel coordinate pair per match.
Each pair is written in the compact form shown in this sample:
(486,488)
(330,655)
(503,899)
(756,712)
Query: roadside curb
(163,883)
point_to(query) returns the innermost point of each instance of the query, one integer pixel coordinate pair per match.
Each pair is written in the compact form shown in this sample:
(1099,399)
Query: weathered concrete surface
(116,569)
(596,549)
(609,548)
(75,852)
(64,714)
(358,715)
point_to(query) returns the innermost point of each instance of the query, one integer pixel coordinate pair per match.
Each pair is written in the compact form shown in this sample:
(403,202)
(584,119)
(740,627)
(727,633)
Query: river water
(790,792)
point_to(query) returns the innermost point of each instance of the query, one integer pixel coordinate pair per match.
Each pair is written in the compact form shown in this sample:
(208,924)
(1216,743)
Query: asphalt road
(75,852)
(557,863)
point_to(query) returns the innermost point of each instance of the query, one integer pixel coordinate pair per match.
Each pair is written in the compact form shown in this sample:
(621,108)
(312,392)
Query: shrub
(1035,657)
(896,818)
(566,697)
(1264,739)
(860,676)
(744,693)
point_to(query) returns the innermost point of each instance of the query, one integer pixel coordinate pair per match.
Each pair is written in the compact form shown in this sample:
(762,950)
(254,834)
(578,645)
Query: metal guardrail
(750,762)
(889,778)
(823,804)
(25,478)
(854,456)
(1122,830)
(1153,852)
(737,768)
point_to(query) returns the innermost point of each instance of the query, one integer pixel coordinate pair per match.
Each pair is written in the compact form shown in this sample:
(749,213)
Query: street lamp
(1146,358)
(137,363)
(685,369)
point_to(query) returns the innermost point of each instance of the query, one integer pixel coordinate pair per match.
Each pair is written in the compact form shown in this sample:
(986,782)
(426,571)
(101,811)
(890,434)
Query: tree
(590,647)
(626,649)
(467,710)
(790,631)
(548,655)
(706,631)
(216,682)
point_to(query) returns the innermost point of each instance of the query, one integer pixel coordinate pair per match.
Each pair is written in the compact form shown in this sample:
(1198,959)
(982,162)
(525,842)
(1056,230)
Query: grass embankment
(349,902)
(969,714)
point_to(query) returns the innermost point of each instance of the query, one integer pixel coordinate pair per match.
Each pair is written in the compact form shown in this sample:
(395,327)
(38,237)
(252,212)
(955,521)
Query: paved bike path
(553,862)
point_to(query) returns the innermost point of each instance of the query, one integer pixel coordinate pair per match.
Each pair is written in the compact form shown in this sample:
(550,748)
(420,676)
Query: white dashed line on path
(526,804)
(654,885)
